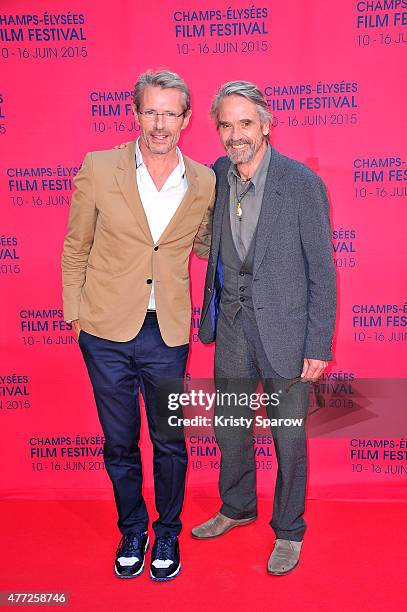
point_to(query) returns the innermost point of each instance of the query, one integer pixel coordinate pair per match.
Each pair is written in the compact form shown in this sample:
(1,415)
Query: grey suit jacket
(294,284)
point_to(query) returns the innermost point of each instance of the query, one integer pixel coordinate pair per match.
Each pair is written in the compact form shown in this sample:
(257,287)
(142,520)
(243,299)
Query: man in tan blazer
(136,214)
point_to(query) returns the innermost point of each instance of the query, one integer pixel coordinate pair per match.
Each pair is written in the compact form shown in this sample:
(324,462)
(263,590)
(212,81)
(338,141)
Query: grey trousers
(240,363)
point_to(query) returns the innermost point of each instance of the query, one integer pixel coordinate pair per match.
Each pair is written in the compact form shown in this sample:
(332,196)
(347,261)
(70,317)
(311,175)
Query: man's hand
(76,327)
(122,145)
(312,369)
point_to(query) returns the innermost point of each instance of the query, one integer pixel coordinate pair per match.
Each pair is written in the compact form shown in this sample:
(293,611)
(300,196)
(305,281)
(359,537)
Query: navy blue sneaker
(165,559)
(130,554)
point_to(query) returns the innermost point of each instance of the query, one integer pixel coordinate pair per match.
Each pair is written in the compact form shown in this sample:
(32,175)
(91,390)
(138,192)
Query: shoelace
(129,545)
(164,547)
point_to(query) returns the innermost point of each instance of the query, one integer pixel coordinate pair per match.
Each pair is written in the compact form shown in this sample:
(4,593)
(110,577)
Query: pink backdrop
(333,75)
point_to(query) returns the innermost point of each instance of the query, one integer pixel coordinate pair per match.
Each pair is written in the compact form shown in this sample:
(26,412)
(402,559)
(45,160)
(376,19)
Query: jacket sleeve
(79,239)
(202,242)
(316,238)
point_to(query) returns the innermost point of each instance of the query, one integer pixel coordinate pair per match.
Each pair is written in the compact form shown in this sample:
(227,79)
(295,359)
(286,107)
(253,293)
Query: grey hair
(164,79)
(247,90)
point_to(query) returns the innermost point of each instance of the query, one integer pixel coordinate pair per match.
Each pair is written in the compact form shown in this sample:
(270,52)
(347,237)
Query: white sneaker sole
(170,577)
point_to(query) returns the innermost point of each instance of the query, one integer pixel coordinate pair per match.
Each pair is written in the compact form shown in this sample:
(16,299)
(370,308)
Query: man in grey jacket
(270,301)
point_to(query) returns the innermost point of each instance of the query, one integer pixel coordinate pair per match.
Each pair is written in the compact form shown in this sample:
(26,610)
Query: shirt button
(156,248)
(241,273)
(149,281)
(242,288)
(241,299)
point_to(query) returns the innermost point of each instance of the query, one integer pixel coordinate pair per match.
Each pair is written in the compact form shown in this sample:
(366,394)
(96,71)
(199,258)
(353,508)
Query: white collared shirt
(160,206)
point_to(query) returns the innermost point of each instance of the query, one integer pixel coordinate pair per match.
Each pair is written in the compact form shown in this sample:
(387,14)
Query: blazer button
(242,299)
(156,248)
(241,273)
(209,289)
(149,281)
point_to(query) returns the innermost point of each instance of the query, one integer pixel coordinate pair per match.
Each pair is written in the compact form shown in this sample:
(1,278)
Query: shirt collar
(176,175)
(260,172)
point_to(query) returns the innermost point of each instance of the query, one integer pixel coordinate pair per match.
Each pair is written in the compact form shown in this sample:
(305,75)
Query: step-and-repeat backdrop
(334,77)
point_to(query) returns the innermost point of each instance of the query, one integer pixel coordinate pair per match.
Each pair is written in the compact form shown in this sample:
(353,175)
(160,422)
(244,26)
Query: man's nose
(159,121)
(236,132)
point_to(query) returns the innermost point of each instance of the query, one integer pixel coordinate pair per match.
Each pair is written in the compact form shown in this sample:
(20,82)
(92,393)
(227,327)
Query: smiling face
(240,129)
(160,134)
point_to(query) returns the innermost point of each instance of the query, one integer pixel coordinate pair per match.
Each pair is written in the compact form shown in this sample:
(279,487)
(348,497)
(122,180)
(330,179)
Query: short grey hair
(164,79)
(247,90)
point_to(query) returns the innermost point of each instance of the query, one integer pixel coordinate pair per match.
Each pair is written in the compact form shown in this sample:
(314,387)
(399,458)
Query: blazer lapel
(222,205)
(190,194)
(126,178)
(270,208)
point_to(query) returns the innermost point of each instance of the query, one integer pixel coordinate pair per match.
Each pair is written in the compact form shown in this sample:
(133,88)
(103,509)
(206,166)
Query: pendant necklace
(239,210)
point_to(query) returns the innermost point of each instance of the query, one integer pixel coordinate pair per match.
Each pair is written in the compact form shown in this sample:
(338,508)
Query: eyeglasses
(169,116)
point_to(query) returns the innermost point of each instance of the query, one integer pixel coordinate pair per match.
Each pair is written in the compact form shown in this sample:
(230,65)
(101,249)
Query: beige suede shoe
(218,525)
(285,557)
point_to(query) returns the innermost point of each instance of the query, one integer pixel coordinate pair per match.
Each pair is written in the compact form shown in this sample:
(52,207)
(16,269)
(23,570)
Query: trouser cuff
(238,516)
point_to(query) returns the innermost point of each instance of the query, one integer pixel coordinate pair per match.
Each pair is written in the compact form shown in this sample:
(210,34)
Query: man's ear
(134,109)
(187,117)
(265,128)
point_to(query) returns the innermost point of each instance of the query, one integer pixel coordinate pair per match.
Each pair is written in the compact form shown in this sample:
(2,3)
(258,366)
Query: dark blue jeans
(118,370)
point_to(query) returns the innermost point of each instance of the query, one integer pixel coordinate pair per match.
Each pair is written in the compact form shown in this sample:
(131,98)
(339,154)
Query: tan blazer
(109,257)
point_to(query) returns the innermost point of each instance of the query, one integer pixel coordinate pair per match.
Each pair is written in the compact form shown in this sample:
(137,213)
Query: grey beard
(241,158)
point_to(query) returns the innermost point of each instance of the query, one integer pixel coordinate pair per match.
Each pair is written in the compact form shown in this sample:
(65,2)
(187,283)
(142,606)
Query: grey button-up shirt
(244,227)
